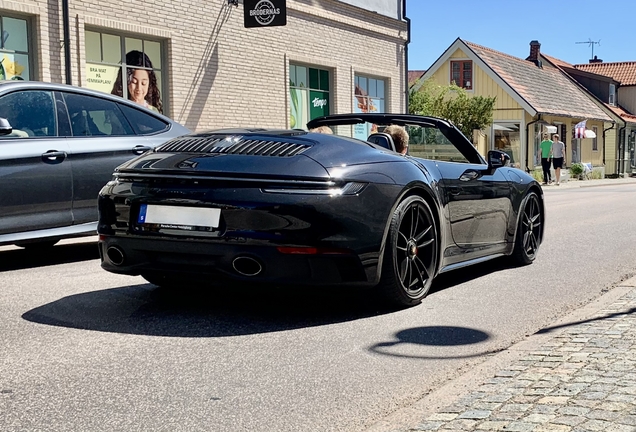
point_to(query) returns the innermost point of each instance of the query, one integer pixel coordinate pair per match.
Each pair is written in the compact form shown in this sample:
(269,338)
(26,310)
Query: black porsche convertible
(307,208)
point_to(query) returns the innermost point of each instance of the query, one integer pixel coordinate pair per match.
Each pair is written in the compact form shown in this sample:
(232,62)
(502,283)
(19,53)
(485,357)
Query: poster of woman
(141,81)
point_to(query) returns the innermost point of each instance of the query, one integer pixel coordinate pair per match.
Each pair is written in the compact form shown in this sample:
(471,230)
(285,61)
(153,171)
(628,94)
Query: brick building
(332,56)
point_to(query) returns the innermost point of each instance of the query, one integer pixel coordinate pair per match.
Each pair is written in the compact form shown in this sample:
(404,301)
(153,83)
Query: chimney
(535,53)
(596,60)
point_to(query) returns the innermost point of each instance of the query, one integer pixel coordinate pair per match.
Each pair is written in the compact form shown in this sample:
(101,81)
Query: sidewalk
(590,183)
(577,375)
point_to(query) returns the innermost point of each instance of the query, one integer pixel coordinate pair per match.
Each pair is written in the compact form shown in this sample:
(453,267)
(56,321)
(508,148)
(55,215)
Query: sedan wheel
(410,255)
(529,231)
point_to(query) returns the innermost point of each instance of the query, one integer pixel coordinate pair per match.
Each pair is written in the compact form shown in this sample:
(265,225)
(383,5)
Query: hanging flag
(579,129)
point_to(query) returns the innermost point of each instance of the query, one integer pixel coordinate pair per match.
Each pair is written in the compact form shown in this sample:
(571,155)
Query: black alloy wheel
(410,255)
(529,231)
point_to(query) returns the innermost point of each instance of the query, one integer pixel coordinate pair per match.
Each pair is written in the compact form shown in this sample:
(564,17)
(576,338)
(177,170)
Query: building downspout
(528,141)
(406,55)
(66,24)
(605,130)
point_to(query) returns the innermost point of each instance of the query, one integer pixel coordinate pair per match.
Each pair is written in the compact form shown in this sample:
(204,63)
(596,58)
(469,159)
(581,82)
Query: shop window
(14,49)
(368,97)
(126,66)
(462,73)
(309,93)
(507,138)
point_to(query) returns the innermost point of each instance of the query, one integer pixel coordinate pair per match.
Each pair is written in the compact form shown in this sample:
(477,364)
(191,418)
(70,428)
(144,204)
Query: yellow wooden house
(533,97)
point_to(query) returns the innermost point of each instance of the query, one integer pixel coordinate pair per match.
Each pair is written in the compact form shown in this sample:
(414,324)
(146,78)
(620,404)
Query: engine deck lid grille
(234,145)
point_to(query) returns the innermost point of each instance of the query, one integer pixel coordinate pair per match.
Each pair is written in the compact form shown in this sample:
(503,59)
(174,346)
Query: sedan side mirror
(5,127)
(497,159)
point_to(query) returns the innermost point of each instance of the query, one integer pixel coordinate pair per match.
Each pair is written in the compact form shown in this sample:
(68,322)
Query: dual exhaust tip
(247,266)
(115,255)
(243,265)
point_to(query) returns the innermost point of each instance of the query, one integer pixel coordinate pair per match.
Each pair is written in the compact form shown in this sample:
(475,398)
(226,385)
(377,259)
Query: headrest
(383,140)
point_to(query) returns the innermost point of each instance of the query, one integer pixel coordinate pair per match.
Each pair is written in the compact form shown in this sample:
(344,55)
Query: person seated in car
(321,129)
(400,137)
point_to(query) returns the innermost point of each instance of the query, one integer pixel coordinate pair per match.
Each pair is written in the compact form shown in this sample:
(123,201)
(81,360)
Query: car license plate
(179,217)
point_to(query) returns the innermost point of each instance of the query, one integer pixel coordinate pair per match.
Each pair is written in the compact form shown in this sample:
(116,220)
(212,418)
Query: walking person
(546,155)
(558,157)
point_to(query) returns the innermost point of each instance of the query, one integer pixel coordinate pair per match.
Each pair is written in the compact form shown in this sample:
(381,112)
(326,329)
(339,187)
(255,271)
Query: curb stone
(578,374)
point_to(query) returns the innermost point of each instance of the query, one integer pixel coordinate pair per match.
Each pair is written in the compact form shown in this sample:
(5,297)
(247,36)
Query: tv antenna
(591,43)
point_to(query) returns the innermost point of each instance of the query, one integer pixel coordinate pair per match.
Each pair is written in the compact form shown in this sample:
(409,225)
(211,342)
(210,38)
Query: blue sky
(510,25)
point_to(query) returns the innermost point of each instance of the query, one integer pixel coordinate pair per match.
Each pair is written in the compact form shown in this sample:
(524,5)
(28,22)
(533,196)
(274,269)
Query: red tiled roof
(623,72)
(622,113)
(548,90)
(415,75)
(558,62)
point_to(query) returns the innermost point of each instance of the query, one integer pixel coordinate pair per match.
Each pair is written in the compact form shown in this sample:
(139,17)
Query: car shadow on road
(147,310)
(20,259)
(217,312)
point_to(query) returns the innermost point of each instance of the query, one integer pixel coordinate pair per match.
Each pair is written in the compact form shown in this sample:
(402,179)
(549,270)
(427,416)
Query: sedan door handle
(140,149)
(54,156)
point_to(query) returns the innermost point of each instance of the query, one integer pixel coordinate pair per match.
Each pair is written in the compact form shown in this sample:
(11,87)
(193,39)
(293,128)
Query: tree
(453,103)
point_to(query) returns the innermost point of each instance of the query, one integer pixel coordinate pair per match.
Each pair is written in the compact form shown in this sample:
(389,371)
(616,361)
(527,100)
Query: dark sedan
(297,207)
(58,146)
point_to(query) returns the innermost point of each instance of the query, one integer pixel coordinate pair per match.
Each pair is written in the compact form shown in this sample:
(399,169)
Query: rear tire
(529,231)
(410,253)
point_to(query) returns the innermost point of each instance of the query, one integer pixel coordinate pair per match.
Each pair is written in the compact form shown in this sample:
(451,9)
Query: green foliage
(537,174)
(597,174)
(576,169)
(453,103)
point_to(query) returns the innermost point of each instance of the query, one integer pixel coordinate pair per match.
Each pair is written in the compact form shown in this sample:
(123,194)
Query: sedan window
(143,123)
(30,113)
(93,116)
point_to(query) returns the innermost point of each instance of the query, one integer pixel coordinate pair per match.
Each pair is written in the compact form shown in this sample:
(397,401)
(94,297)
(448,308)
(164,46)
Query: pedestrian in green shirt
(546,156)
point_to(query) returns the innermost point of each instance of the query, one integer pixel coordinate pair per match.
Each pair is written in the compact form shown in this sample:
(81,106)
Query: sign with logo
(318,104)
(265,13)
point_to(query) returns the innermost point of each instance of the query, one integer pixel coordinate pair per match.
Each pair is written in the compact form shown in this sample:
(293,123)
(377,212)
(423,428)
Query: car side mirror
(497,159)
(5,127)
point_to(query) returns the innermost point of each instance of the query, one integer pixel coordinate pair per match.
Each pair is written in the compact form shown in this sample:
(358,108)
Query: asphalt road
(81,349)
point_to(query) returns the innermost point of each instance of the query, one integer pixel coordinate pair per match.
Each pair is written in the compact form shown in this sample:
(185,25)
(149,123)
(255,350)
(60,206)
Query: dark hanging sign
(265,13)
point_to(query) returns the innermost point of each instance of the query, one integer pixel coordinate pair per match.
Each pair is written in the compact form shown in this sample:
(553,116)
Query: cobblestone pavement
(583,378)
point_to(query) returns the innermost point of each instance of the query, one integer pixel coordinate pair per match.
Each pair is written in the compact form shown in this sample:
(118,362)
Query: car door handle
(140,149)
(469,175)
(54,156)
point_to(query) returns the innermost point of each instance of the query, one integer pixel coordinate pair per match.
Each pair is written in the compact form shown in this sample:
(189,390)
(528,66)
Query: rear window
(141,122)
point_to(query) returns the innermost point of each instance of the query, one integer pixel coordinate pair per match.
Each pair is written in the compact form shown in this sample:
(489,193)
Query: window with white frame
(612,94)
(15,57)
(461,73)
(368,97)
(309,94)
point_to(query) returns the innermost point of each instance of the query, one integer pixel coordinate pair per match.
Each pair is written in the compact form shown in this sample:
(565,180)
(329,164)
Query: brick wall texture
(221,74)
